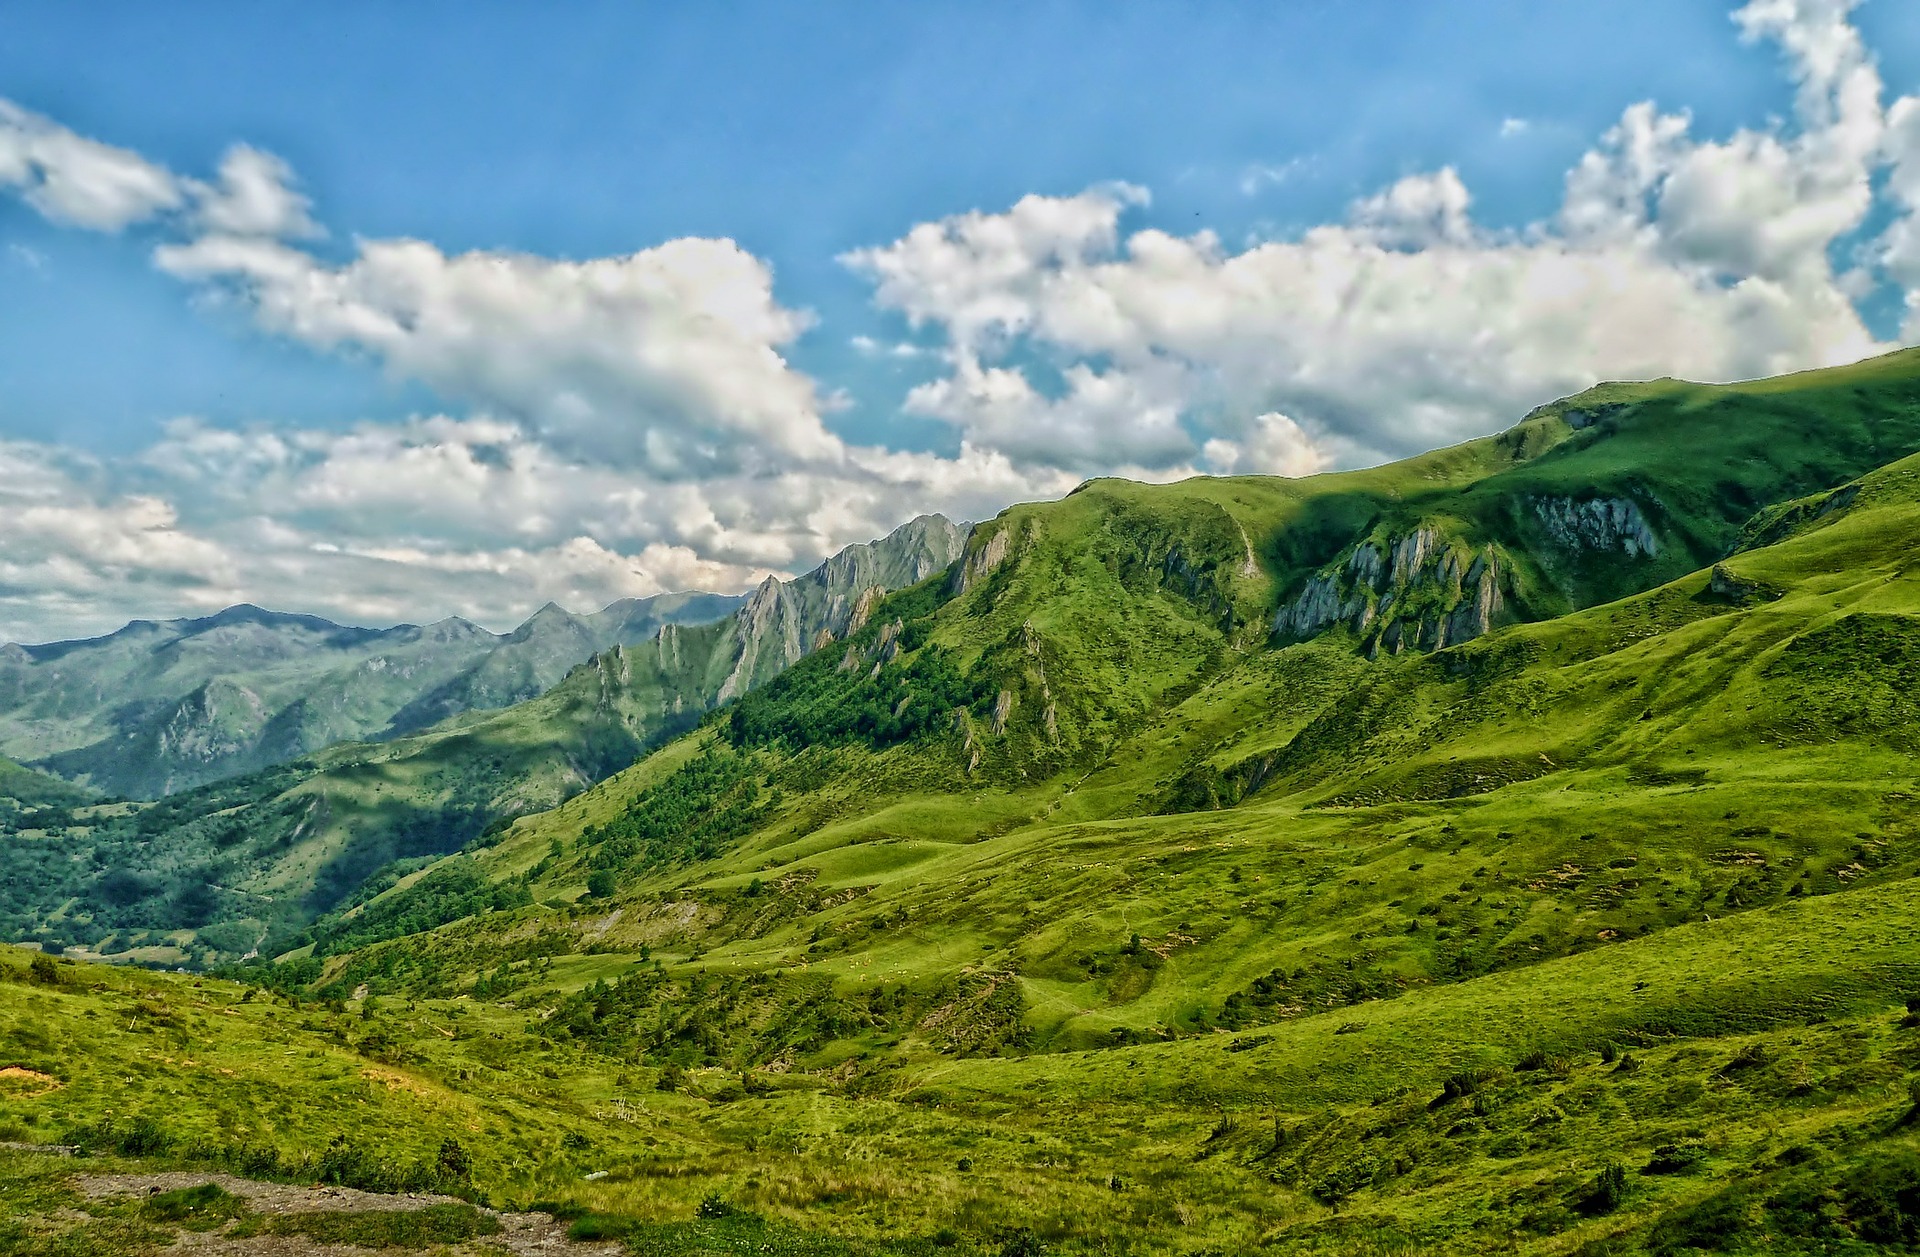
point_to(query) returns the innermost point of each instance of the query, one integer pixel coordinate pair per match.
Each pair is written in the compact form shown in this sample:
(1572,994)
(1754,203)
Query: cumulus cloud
(669,357)
(635,423)
(434,516)
(255,195)
(1274,446)
(1408,324)
(77,181)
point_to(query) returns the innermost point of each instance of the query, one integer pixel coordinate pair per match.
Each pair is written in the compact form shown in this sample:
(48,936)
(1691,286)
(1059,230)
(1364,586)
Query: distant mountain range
(161,706)
(301,827)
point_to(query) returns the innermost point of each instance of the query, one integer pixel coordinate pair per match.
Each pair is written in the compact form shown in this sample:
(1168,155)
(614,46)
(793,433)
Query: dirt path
(521,1233)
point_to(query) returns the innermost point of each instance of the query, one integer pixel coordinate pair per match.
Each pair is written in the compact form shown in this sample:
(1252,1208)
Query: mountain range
(1506,849)
(162,706)
(295,836)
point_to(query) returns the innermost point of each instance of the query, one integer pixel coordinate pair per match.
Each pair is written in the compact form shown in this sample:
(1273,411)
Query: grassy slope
(1289,895)
(1676,821)
(35,789)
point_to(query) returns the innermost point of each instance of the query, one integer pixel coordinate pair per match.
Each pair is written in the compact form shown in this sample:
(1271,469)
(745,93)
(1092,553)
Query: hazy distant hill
(163,706)
(286,841)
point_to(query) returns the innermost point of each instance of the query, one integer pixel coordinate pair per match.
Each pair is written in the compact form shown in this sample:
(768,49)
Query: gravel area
(521,1233)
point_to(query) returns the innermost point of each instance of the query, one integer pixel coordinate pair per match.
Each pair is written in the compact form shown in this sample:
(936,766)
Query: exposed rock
(1597,524)
(1585,417)
(1724,583)
(1413,591)
(863,607)
(1002,711)
(982,561)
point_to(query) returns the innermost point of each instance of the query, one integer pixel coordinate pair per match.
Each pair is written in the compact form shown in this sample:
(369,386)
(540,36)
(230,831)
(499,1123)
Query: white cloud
(1899,249)
(1408,325)
(255,196)
(636,424)
(430,517)
(1418,212)
(1276,446)
(667,358)
(77,181)
(1510,127)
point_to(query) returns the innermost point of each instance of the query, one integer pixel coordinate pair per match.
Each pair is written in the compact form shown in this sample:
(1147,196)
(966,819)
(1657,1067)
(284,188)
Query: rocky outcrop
(1597,524)
(1726,585)
(842,592)
(1416,590)
(1579,417)
(783,620)
(982,561)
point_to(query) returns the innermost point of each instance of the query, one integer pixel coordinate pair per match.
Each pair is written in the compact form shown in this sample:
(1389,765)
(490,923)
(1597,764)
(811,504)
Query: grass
(1594,934)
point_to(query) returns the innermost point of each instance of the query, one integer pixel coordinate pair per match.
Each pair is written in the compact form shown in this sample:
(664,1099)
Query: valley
(1511,849)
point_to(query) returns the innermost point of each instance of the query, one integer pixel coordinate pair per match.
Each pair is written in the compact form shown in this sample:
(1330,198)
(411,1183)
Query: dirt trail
(521,1233)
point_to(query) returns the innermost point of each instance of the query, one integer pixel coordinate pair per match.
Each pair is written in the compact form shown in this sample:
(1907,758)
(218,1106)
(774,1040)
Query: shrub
(1676,1158)
(453,1163)
(712,1206)
(202,1208)
(1606,1193)
(43,970)
(1021,1242)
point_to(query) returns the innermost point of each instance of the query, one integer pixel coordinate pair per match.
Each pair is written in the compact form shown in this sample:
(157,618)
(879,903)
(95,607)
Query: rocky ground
(520,1233)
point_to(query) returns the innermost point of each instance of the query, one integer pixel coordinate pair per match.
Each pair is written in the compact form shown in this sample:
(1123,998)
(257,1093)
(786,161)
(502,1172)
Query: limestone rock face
(1416,590)
(783,620)
(1598,524)
(982,561)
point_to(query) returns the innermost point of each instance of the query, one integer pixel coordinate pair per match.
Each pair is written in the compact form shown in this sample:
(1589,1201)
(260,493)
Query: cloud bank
(627,425)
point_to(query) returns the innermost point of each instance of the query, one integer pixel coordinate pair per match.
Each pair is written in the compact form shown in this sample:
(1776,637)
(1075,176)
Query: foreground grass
(1770,1056)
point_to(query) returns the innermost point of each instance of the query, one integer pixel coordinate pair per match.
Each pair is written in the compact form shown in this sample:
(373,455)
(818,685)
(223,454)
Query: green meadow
(1077,902)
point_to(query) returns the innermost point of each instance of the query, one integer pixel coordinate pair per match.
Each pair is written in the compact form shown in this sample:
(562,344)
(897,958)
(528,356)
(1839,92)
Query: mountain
(164,706)
(1093,860)
(288,841)
(1508,849)
(29,789)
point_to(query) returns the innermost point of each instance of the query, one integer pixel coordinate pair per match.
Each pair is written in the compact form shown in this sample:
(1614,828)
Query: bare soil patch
(521,1233)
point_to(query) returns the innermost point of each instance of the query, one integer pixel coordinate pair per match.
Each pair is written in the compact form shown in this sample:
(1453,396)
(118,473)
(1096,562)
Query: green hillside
(214,872)
(1511,849)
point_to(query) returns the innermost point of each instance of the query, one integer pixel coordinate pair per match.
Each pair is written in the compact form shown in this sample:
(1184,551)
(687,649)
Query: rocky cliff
(1416,590)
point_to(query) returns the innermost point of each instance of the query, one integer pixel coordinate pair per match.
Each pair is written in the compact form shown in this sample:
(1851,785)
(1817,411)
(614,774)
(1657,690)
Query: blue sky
(209,411)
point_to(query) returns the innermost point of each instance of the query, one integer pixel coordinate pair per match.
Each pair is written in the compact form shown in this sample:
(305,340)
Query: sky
(388,313)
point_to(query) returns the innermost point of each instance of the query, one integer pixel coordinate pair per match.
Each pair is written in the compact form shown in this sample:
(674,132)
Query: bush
(1676,1158)
(452,1163)
(713,1206)
(43,970)
(1021,1242)
(202,1208)
(1606,1193)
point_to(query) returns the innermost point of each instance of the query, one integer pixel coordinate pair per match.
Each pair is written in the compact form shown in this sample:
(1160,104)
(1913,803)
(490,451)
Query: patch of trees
(455,890)
(693,814)
(819,702)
